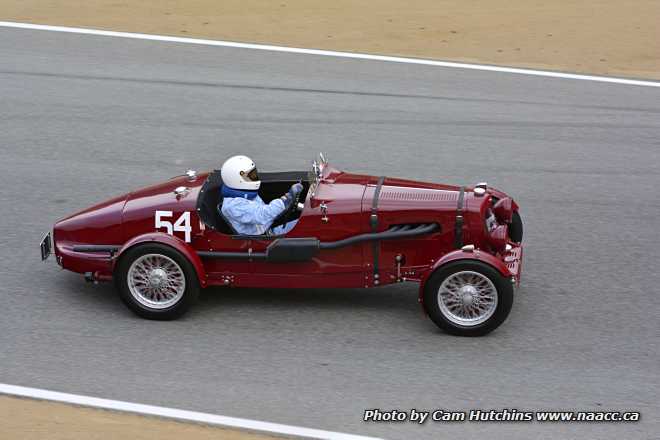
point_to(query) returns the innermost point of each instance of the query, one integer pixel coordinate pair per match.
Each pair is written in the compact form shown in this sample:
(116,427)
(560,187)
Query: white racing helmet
(240,172)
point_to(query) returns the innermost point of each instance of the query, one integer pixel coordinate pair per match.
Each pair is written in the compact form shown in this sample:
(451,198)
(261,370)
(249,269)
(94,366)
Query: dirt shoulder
(28,419)
(608,37)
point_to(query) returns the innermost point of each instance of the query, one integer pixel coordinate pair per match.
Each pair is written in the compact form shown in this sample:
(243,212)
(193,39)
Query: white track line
(330,53)
(179,414)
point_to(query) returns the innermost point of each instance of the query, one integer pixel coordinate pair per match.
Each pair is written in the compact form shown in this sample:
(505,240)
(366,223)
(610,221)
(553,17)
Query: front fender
(460,254)
(181,246)
(500,195)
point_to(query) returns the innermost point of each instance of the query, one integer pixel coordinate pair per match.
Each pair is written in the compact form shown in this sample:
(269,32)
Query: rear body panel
(100,224)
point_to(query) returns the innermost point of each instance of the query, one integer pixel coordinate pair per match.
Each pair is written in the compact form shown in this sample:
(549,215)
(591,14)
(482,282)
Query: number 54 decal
(181,225)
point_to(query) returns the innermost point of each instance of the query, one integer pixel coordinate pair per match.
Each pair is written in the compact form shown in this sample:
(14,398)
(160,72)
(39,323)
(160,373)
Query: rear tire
(156,282)
(468,298)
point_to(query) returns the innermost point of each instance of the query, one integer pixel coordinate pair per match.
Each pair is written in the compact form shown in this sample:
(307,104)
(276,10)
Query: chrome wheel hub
(157,278)
(468,294)
(156,281)
(467,298)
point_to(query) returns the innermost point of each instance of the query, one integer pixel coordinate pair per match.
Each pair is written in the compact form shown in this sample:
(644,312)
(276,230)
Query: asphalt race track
(83,118)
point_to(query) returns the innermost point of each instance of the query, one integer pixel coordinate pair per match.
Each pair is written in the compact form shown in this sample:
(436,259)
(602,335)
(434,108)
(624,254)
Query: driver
(241,204)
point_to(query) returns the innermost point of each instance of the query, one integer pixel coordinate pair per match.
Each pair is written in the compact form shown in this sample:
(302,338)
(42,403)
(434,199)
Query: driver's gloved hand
(296,189)
(290,196)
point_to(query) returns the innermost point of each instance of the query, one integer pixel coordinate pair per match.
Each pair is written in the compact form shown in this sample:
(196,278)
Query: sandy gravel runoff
(28,419)
(609,37)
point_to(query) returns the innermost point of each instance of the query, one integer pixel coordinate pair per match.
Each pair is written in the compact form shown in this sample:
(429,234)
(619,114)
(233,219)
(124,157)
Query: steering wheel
(293,207)
(294,204)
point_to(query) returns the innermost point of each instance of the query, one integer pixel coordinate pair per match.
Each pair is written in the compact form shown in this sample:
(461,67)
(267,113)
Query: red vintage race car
(161,244)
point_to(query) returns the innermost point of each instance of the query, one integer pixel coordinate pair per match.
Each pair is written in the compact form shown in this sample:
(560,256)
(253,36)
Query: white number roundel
(182,224)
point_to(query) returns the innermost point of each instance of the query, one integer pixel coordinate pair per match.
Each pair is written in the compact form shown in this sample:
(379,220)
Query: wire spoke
(467,298)
(156,281)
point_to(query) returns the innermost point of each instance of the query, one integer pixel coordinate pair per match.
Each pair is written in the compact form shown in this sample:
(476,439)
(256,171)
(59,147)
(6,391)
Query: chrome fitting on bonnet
(192,175)
(468,248)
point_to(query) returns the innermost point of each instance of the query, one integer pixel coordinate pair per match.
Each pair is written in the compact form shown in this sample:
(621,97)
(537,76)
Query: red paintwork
(100,224)
(129,219)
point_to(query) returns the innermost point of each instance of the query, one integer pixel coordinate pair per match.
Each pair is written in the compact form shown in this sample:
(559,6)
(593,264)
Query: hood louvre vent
(443,196)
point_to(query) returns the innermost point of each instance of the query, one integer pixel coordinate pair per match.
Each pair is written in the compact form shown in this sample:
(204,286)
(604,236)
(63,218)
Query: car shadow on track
(354,308)
(80,291)
(388,297)
(394,300)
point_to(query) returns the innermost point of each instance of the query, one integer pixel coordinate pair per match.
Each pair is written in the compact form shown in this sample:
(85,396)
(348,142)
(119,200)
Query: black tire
(502,285)
(516,228)
(173,311)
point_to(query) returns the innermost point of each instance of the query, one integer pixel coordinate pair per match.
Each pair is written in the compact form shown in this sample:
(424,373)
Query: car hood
(336,176)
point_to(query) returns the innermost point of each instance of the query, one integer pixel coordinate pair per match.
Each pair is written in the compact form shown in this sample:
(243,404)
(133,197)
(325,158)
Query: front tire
(468,298)
(156,282)
(516,228)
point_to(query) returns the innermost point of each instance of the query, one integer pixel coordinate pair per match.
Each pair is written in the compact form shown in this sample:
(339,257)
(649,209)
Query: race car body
(160,244)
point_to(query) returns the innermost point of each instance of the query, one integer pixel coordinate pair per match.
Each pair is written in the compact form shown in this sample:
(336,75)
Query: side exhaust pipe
(96,277)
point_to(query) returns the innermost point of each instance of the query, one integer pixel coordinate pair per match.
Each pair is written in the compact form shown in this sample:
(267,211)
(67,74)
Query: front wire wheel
(516,228)
(468,298)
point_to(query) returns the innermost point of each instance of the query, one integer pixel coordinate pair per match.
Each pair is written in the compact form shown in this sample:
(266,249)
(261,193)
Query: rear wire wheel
(468,298)
(156,282)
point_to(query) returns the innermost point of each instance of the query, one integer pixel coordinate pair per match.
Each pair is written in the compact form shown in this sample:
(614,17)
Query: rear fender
(182,247)
(460,254)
